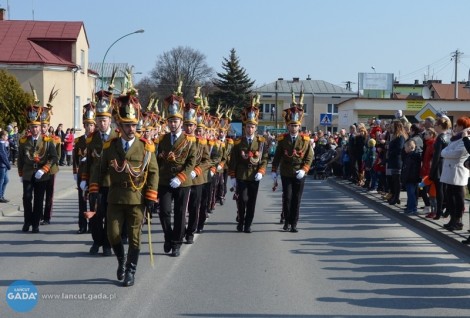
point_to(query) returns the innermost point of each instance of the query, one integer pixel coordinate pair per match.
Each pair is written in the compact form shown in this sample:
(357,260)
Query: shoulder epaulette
(211,142)
(306,137)
(46,139)
(230,141)
(149,145)
(191,138)
(280,137)
(23,139)
(89,139)
(202,140)
(161,138)
(237,141)
(261,139)
(76,140)
(106,144)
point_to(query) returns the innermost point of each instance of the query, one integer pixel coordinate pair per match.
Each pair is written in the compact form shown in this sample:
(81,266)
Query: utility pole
(455,56)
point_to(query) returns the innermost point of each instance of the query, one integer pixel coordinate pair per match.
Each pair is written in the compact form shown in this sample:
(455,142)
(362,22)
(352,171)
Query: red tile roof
(38,42)
(446,91)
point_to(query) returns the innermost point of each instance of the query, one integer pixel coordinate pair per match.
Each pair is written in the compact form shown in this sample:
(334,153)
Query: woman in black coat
(441,127)
(394,159)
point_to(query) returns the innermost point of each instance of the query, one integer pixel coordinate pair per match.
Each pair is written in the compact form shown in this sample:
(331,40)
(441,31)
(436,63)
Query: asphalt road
(346,261)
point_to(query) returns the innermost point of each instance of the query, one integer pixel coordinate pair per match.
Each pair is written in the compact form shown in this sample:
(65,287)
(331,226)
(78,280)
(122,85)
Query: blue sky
(331,40)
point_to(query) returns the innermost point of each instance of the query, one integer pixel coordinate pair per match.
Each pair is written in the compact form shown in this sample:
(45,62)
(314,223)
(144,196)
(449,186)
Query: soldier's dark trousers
(292,189)
(33,199)
(49,198)
(247,194)
(214,187)
(193,210)
(221,187)
(82,222)
(98,223)
(179,197)
(205,198)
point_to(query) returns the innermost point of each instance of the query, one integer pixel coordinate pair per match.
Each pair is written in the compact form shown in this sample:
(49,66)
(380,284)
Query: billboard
(376,81)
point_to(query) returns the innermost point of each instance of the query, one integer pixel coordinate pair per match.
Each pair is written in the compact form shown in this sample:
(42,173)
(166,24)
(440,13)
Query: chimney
(3,15)
(416,82)
(280,79)
(308,77)
(295,79)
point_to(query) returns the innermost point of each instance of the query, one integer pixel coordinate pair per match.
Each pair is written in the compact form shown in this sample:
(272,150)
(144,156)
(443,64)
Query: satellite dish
(426,92)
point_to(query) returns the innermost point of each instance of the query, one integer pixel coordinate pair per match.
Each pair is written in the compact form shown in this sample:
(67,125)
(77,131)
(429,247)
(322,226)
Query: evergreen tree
(233,86)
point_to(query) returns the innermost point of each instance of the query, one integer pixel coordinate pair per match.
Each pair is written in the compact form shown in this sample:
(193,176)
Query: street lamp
(102,63)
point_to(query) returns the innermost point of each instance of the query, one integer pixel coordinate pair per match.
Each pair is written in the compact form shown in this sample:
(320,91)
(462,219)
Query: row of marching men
(178,161)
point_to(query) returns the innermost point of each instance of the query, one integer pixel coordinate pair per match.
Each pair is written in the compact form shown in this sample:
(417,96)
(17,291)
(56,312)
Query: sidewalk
(64,185)
(432,227)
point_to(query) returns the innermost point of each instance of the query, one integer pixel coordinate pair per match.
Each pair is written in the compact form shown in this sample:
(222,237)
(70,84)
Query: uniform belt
(124,184)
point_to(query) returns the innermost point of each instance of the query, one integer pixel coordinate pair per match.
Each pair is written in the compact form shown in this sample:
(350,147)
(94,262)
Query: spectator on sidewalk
(455,175)
(394,159)
(429,139)
(68,145)
(4,165)
(441,127)
(410,175)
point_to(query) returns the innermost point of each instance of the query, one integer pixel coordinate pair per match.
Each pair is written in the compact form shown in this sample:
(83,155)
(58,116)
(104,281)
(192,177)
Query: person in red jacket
(68,145)
(429,139)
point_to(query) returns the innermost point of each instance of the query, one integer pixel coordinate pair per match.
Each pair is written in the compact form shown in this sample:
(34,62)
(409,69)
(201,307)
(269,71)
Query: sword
(147,213)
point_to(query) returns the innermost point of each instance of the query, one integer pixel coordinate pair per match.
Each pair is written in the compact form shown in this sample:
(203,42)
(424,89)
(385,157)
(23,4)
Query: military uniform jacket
(93,161)
(216,154)
(133,175)
(246,161)
(228,151)
(58,148)
(31,159)
(79,157)
(203,162)
(291,157)
(177,160)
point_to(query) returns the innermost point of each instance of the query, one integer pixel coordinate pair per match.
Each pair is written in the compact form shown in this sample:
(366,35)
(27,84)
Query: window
(82,60)
(332,109)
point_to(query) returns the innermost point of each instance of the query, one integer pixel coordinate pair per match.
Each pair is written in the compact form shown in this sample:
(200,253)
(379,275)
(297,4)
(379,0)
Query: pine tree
(233,86)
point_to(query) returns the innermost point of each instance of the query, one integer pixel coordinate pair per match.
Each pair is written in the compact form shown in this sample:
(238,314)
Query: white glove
(212,173)
(219,168)
(258,176)
(175,183)
(39,174)
(300,174)
(83,185)
(193,174)
(83,159)
(75,176)
(233,182)
(274,175)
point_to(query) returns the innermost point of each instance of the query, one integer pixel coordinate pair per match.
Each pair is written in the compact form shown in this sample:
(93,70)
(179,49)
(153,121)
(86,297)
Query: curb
(419,222)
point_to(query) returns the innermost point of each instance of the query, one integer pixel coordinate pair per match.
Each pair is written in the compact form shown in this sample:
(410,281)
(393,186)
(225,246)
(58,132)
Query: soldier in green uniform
(224,127)
(91,177)
(293,157)
(176,159)
(193,112)
(247,166)
(79,163)
(45,123)
(36,156)
(130,165)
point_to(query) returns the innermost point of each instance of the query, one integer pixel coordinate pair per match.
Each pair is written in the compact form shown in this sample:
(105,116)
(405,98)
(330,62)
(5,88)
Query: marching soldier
(247,166)
(36,156)
(45,123)
(193,118)
(176,159)
(129,163)
(293,157)
(79,163)
(228,144)
(91,177)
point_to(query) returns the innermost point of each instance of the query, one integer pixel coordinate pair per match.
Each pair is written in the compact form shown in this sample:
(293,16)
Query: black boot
(119,252)
(286,225)
(131,266)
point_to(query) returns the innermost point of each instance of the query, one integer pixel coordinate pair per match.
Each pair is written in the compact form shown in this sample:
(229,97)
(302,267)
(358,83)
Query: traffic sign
(326,119)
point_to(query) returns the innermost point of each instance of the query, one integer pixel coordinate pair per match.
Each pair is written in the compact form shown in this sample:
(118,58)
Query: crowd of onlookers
(429,160)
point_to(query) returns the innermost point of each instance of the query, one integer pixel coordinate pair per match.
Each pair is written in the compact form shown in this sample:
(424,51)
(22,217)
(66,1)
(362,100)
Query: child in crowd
(369,159)
(410,176)
(431,189)
(378,169)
